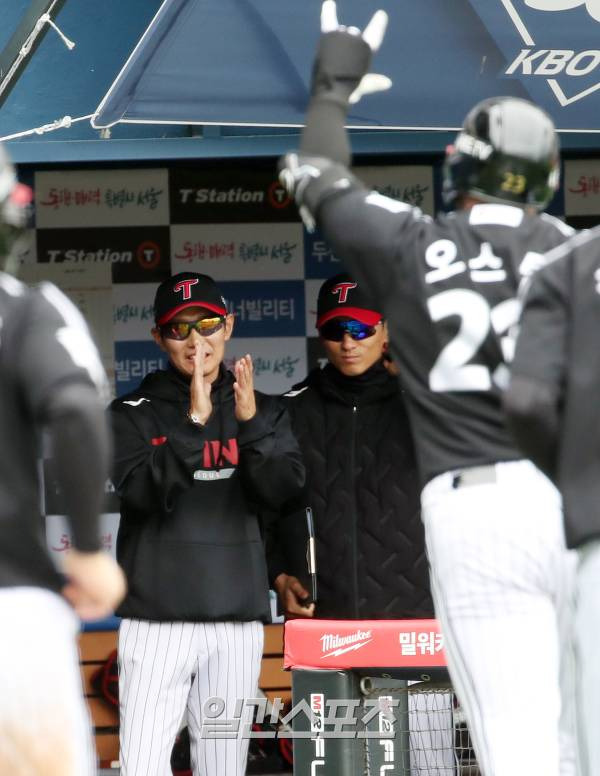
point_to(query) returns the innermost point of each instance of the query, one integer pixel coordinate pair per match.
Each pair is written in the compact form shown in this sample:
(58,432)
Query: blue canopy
(248,62)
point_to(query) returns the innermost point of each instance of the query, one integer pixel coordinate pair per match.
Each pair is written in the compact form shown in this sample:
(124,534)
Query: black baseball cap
(342,297)
(187,289)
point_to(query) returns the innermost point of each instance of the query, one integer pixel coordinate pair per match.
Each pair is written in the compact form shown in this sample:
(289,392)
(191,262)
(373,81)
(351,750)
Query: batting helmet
(507,151)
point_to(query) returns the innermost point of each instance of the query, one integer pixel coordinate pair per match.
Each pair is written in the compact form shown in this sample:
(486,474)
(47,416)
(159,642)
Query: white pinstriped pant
(44,722)
(167,674)
(503,583)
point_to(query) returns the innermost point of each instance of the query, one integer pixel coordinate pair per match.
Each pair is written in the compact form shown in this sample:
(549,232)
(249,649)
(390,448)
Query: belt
(475,475)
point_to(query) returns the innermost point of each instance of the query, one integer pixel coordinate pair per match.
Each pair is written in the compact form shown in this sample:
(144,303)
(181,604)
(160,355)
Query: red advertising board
(342,644)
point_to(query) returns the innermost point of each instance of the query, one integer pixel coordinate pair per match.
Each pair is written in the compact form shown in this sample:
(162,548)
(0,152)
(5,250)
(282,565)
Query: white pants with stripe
(502,583)
(171,674)
(44,722)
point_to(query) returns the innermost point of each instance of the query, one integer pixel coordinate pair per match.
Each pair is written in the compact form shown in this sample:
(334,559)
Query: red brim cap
(187,289)
(370,317)
(207,306)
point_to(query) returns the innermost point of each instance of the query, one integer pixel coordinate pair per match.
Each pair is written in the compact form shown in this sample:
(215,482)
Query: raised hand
(372,36)
(200,402)
(243,389)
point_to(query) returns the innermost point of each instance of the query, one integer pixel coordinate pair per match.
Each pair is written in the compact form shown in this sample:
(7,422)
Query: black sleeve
(534,399)
(286,543)
(369,233)
(64,386)
(365,229)
(80,450)
(276,560)
(341,61)
(324,133)
(270,459)
(149,477)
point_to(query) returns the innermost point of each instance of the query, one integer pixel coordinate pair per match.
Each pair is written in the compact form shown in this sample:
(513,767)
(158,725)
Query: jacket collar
(372,386)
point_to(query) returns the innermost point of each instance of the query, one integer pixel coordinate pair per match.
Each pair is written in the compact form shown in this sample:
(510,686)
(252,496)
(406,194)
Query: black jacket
(189,538)
(362,485)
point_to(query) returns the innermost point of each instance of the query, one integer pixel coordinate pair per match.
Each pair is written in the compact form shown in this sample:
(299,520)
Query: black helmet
(507,152)
(15,199)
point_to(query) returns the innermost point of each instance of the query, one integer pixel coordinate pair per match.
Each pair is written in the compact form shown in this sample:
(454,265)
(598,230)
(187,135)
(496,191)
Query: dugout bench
(96,646)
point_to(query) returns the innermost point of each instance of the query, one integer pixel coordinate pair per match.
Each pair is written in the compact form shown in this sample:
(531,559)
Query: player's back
(41,350)
(18,438)
(460,276)
(449,292)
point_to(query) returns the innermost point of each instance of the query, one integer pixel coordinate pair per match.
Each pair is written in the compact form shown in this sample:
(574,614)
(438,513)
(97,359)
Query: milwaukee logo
(333,644)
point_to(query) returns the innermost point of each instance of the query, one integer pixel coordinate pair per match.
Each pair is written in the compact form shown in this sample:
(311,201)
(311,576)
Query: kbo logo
(560,45)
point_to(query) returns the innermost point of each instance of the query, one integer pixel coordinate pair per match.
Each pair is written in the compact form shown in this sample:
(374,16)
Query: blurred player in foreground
(553,407)
(501,575)
(50,379)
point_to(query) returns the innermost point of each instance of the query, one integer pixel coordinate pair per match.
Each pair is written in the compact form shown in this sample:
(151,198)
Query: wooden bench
(96,646)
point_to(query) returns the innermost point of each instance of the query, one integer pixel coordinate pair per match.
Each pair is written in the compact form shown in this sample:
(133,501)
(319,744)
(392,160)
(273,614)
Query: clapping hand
(200,402)
(243,388)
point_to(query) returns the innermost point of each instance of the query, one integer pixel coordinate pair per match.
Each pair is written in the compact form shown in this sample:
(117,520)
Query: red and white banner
(341,644)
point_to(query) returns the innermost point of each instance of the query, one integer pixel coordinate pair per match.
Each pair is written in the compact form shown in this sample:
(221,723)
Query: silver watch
(195,419)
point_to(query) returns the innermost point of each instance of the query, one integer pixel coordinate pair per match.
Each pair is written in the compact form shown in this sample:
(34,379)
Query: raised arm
(363,228)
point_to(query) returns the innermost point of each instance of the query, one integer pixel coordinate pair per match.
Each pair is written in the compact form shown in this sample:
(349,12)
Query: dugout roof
(217,78)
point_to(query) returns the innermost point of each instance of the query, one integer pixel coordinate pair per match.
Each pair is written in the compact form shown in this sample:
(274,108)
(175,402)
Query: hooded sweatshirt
(189,538)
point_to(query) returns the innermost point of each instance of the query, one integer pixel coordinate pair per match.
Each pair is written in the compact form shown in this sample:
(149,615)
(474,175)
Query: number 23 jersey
(449,289)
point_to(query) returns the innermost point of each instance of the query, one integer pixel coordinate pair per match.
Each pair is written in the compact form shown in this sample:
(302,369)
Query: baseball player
(553,407)
(352,426)
(197,452)
(501,575)
(51,379)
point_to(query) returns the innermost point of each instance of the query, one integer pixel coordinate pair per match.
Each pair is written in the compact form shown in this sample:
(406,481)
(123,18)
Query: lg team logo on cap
(186,287)
(342,290)
(571,73)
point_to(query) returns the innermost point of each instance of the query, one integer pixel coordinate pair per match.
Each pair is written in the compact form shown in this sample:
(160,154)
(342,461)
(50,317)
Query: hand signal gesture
(372,35)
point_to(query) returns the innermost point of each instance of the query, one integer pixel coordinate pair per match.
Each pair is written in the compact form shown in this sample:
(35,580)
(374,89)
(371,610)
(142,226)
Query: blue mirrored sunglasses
(335,330)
